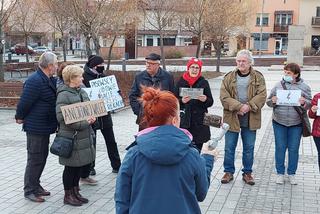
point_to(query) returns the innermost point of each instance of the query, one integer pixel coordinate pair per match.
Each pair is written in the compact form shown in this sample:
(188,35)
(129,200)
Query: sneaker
(88,181)
(93,172)
(280,179)
(227,177)
(292,180)
(115,171)
(248,179)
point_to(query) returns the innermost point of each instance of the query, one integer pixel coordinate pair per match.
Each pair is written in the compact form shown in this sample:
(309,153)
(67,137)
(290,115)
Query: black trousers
(112,150)
(71,177)
(317,142)
(37,148)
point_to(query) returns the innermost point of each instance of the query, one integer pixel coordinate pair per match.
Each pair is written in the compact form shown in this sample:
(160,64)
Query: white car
(41,49)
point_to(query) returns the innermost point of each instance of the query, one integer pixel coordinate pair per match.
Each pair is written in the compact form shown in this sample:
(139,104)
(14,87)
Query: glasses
(195,67)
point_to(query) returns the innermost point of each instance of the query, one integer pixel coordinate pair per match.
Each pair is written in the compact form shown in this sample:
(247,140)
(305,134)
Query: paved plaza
(236,197)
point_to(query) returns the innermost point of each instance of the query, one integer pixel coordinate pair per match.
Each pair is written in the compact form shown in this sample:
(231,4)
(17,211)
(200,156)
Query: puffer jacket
(83,151)
(257,95)
(287,115)
(313,115)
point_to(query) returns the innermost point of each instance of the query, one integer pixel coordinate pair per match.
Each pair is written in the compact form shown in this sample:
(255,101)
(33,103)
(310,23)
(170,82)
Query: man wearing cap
(153,76)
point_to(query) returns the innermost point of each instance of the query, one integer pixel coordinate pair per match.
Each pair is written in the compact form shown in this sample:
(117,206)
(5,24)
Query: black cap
(153,56)
(94,60)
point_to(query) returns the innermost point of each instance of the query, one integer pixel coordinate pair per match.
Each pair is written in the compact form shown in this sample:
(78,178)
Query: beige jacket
(257,95)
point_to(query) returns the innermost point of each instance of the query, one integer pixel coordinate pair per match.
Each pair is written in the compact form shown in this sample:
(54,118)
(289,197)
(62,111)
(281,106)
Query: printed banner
(288,97)
(193,93)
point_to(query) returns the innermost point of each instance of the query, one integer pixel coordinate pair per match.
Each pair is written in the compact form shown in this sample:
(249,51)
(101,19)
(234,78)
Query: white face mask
(287,78)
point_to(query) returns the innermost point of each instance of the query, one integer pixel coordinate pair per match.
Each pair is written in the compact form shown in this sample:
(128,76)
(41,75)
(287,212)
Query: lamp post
(260,42)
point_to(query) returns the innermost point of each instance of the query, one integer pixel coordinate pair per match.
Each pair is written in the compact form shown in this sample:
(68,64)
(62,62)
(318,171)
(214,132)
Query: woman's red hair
(158,106)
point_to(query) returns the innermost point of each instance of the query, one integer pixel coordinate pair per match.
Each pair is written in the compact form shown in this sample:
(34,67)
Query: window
(168,41)
(284,19)
(188,22)
(318,12)
(264,43)
(284,43)
(149,41)
(167,22)
(265,19)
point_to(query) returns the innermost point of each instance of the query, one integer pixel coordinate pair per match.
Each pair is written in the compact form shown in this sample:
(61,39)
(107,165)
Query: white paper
(318,111)
(288,97)
(193,93)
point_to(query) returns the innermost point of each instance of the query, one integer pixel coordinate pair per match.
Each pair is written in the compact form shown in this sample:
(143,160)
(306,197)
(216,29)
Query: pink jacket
(316,122)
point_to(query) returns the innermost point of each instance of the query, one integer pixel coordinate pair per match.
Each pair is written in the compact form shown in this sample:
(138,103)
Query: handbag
(212,120)
(63,146)
(306,127)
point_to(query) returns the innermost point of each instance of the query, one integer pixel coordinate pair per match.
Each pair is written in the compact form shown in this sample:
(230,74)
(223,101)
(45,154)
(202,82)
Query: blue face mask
(287,78)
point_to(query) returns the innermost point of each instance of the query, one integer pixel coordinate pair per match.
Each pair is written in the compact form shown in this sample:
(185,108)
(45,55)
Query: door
(278,48)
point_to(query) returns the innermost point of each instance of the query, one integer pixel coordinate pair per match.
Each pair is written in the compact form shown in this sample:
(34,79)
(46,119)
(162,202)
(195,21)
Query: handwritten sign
(193,93)
(106,88)
(318,111)
(83,110)
(288,97)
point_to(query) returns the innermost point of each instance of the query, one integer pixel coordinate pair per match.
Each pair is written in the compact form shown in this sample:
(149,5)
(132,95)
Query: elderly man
(153,76)
(242,94)
(36,111)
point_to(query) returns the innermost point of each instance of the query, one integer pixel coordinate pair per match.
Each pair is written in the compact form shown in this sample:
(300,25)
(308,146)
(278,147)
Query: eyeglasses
(195,67)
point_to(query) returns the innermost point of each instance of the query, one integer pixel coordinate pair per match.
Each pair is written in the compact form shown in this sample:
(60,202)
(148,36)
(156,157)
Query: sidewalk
(235,197)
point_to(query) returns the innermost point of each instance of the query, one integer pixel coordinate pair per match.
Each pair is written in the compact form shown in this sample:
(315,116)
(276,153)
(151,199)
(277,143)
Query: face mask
(100,69)
(287,78)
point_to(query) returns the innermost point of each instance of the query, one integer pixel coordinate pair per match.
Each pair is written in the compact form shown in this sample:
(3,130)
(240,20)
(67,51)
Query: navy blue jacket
(37,104)
(163,173)
(162,80)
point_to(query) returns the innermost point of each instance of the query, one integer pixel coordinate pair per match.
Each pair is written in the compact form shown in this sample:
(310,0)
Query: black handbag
(63,146)
(212,120)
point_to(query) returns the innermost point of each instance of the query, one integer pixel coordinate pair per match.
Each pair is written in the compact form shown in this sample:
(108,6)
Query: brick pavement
(236,197)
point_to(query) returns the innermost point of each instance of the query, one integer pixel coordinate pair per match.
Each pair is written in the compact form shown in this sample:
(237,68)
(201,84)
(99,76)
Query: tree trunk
(198,46)
(96,45)
(64,47)
(218,53)
(2,51)
(26,44)
(110,51)
(163,59)
(88,49)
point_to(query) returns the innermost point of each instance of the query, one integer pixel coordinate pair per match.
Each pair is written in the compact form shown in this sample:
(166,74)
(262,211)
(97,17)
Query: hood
(164,145)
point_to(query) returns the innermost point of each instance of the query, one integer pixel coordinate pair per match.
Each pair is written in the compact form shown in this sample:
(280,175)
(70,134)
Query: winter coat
(287,115)
(162,80)
(257,95)
(194,110)
(37,104)
(163,173)
(83,151)
(316,122)
(103,122)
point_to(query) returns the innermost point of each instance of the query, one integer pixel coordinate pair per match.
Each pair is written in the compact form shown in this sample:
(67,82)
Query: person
(83,152)
(242,94)
(153,76)
(59,72)
(316,123)
(194,109)
(93,69)
(162,171)
(286,122)
(36,111)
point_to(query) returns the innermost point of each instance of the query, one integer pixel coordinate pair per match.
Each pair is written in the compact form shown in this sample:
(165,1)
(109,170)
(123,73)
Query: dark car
(21,49)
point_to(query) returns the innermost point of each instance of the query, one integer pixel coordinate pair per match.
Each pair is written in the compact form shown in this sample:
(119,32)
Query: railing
(315,21)
(280,28)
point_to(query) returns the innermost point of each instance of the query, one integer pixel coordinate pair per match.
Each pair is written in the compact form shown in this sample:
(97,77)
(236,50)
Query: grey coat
(287,115)
(83,151)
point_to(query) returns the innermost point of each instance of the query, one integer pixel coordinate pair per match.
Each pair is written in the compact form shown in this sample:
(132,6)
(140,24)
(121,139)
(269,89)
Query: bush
(173,54)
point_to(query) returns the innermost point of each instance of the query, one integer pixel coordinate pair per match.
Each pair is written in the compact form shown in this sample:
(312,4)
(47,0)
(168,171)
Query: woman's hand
(91,120)
(302,101)
(186,99)
(202,98)
(314,109)
(274,99)
(205,150)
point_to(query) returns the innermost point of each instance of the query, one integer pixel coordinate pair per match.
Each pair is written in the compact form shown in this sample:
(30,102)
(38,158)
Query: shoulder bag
(63,146)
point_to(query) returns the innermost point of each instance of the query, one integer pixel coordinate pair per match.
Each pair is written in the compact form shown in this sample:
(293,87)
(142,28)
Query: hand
(274,99)
(314,109)
(91,120)
(245,108)
(302,101)
(205,150)
(19,121)
(202,98)
(186,99)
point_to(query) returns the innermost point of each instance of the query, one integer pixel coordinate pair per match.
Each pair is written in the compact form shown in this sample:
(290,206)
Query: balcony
(315,21)
(280,28)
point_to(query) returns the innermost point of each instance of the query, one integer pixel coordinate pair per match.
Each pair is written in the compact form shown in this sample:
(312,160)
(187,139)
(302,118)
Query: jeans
(287,137)
(317,142)
(248,140)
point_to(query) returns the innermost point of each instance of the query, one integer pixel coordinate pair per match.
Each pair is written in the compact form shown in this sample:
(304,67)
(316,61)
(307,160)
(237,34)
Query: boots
(70,198)
(76,192)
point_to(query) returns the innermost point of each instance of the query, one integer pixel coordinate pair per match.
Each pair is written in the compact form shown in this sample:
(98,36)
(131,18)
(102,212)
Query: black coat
(104,121)
(195,110)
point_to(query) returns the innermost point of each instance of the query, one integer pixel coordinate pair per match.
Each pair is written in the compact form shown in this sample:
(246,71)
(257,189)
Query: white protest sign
(83,110)
(288,97)
(108,91)
(193,93)
(318,111)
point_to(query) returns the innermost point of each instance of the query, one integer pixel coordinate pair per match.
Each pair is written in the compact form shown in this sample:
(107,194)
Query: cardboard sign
(288,97)
(193,93)
(83,110)
(106,88)
(318,111)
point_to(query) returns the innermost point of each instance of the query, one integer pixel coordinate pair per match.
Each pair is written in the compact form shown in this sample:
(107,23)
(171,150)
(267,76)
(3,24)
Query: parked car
(41,49)
(21,49)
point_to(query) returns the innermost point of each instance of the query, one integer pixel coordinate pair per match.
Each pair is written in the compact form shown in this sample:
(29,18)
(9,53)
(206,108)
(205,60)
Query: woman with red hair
(162,172)
(193,109)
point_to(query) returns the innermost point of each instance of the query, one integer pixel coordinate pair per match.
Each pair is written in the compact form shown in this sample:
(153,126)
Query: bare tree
(6,7)
(159,15)
(26,18)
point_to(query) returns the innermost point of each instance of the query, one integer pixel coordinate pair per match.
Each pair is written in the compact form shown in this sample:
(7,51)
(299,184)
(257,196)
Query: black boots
(79,196)
(70,198)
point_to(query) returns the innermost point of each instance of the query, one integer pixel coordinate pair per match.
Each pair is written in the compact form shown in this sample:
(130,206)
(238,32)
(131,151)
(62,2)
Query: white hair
(247,54)
(46,59)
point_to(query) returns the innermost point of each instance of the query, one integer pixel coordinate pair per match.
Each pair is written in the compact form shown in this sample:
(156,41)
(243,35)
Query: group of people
(169,164)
